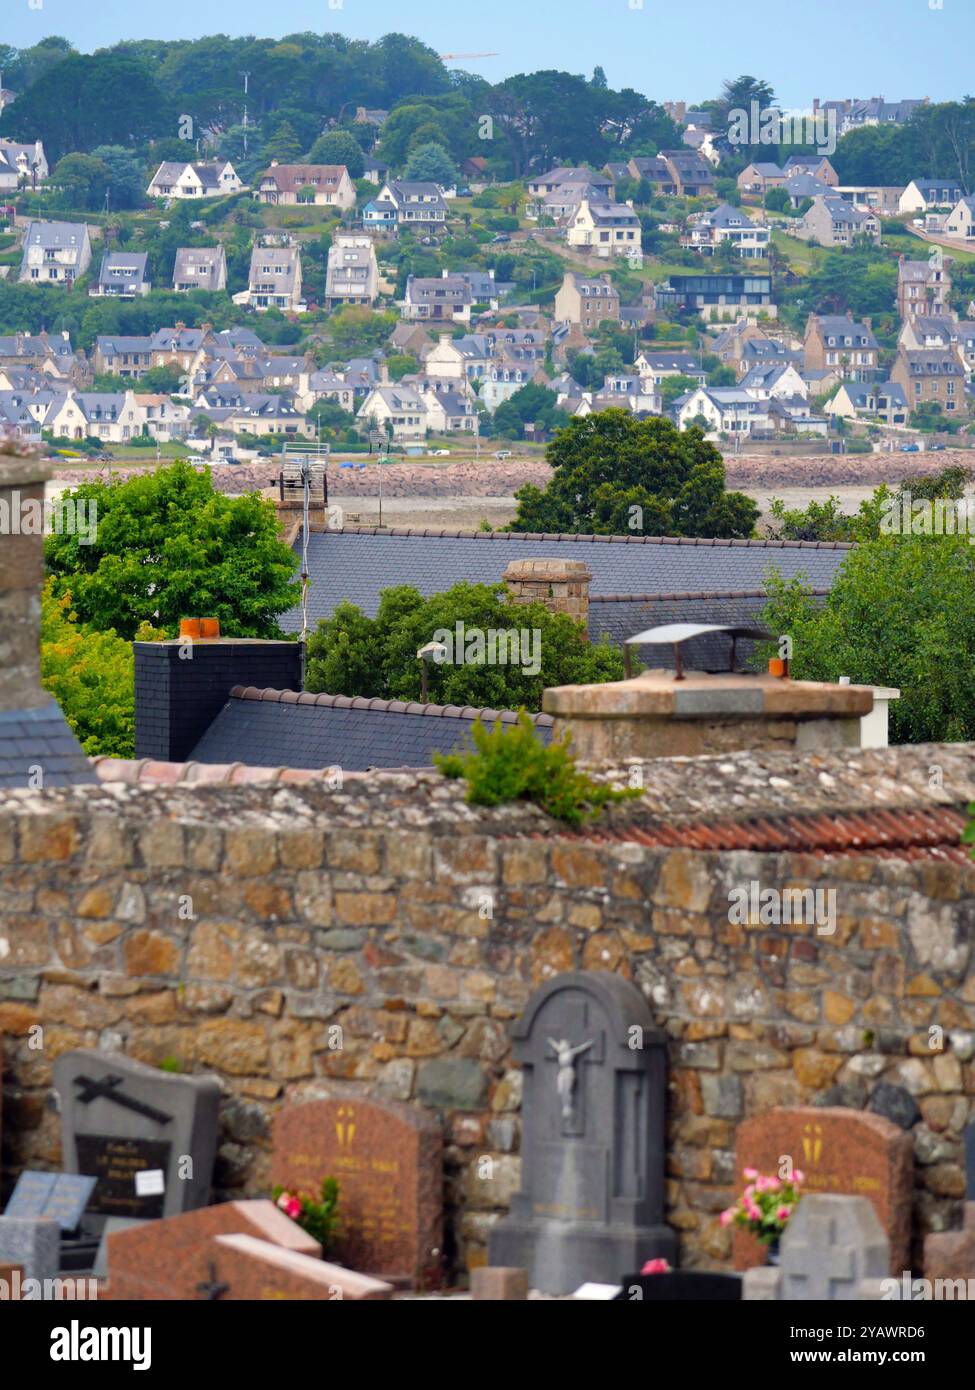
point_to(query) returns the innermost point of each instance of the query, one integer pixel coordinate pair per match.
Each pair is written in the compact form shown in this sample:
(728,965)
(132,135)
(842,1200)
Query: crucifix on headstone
(567,1054)
(211,1287)
(819,1267)
(107,1088)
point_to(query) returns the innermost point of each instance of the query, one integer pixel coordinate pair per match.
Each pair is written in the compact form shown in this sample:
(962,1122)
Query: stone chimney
(562,585)
(37,748)
(654,715)
(182,685)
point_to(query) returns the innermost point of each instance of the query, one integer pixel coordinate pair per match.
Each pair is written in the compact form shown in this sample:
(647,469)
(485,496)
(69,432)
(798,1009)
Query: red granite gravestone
(388,1161)
(170,1258)
(850,1152)
(243,1268)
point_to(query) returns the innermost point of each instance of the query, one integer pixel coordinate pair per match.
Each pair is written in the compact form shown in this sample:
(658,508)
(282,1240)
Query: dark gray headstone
(61,1196)
(970,1163)
(591,1203)
(148,1136)
(33,1244)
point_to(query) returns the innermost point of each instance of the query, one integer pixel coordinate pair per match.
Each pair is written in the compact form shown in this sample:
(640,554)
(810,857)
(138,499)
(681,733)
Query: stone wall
(231,928)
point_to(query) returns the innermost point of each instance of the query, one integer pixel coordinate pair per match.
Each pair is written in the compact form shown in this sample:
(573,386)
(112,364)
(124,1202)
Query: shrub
(514,765)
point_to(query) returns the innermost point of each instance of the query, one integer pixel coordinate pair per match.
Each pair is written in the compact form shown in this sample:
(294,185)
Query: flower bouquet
(319,1218)
(765,1206)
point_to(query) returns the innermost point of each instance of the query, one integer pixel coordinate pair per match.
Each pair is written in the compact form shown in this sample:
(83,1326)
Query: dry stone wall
(297,942)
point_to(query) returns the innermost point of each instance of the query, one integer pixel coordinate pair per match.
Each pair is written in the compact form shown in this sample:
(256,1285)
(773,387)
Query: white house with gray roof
(835,222)
(352,276)
(174,179)
(55,253)
(200,268)
(22,165)
(748,236)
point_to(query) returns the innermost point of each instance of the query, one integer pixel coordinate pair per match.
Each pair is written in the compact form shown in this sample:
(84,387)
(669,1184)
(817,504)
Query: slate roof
(357,563)
(285,728)
(40,738)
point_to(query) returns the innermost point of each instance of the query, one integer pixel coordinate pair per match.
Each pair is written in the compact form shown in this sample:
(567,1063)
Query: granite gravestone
(35,1245)
(832,1249)
(387,1158)
(60,1196)
(595,1079)
(149,1137)
(848,1152)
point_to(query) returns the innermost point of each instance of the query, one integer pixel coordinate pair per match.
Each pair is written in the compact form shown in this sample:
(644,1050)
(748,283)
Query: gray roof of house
(282,728)
(620,617)
(40,739)
(132,263)
(359,562)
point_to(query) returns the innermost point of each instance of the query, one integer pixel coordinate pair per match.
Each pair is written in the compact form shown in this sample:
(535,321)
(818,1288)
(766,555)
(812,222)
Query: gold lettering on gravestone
(812,1148)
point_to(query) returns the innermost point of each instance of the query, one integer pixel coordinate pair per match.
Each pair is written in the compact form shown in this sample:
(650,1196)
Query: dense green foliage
(352,654)
(169,547)
(901,613)
(512,764)
(616,475)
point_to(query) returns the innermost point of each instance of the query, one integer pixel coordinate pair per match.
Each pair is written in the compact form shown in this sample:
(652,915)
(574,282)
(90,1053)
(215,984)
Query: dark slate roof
(359,562)
(32,739)
(619,617)
(283,728)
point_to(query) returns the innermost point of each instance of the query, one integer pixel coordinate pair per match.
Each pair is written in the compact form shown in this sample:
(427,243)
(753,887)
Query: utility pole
(247,78)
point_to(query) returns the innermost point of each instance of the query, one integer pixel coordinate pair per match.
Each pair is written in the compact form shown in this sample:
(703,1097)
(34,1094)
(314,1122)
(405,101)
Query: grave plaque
(62,1197)
(242,1268)
(388,1161)
(848,1152)
(148,1136)
(595,1076)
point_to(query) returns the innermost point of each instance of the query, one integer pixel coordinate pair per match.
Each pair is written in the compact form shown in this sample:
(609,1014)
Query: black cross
(211,1287)
(90,1089)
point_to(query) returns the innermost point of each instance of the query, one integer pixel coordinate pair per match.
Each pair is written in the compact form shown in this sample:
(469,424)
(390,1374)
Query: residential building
(485,290)
(274,281)
(656,367)
(842,345)
(727,410)
(817,166)
(400,410)
(122,356)
(200,268)
(403,202)
(541,185)
(608,229)
(934,374)
(122,275)
(174,179)
(114,416)
(961,221)
(51,355)
(502,378)
(450,408)
(799,187)
(467,358)
(690,174)
(774,380)
(446,299)
(856,112)
(884,401)
(587,301)
(55,253)
(757,179)
(719,295)
(882,200)
(353,272)
(22,166)
(748,237)
(327,185)
(921,195)
(835,222)
(924,287)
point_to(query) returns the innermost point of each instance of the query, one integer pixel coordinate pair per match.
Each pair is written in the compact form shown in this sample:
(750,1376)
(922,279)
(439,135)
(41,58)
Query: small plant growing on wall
(514,765)
(318,1217)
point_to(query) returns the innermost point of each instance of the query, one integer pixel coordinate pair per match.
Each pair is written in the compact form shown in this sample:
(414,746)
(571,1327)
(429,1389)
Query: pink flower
(798,1177)
(727,1216)
(293,1208)
(283,1201)
(753,1212)
(658,1266)
(750,1173)
(750,1191)
(783,1213)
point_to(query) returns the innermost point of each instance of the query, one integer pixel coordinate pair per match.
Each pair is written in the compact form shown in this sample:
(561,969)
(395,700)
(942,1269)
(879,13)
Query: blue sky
(669,49)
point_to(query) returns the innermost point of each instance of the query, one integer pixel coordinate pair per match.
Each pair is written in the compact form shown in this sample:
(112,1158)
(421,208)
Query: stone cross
(819,1268)
(833,1249)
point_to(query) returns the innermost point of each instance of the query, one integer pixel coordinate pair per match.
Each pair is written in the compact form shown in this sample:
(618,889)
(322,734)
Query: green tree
(91,675)
(607,464)
(672,387)
(530,404)
(901,613)
(127,179)
(431,163)
(168,547)
(339,147)
(82,180)
(401,364)
(351,654)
